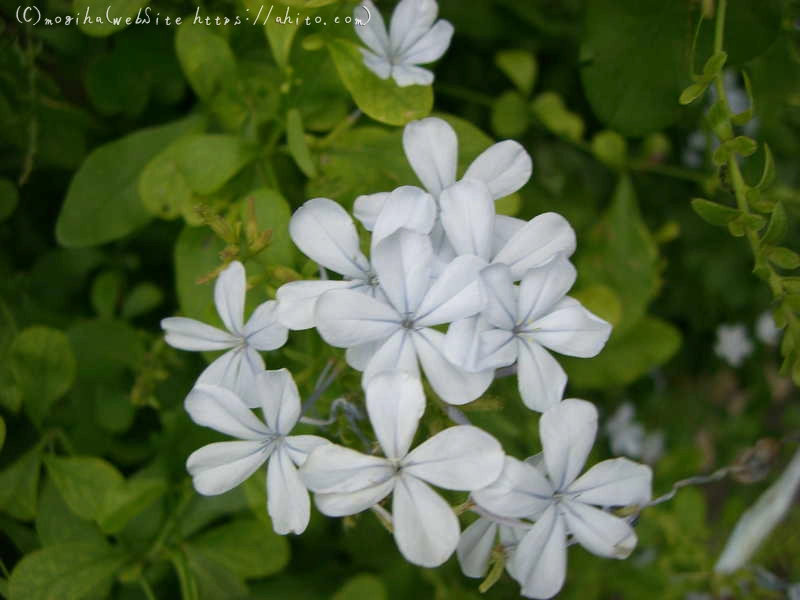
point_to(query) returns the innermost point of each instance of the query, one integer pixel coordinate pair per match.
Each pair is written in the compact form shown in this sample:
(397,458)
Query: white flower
(347,482)
(517,325)
(219,467)
(324,232)
(627,437)
(477,541)
(237,368)
(564,504)
(395,329)
(413,39)
(431,147)
(766,330)
(733,344)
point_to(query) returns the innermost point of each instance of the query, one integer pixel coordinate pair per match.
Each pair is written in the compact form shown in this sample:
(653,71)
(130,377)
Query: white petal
(351,503)
(336,469)
(411,20)
(325,233)
(297,301)
(220,467)
(359,356)
(614,482)
(501,302)
(403,264)
(475,547)
(468,217)
(287,499)
(188,334)
(425,527)
(377,63)
(505,228)
(599,532)
(543,287)
(539,563)
(397,352)
(431,46)
(540,378)
(222,410)
(567,431)
(453,384)
(431,148)
(395,403)
(572,330)
(279,400)
(300,446)
(519,491)
(373,31)
(368,207)
(405,75)
(504,167)
(408,207)
(458,458)
(535,243)
(229,292)
(456,294)
(235,370)
(347,318)
(474,345)
(263,331)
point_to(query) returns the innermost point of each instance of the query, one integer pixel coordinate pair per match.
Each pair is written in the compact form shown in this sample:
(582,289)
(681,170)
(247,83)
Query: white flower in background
(766,330)
(395,330)
(413,39)
(219,467)
(462,458)
(237,368)
(431,147)
(520,323)
(629,438)
(561,503)
(324,232)
(733,344)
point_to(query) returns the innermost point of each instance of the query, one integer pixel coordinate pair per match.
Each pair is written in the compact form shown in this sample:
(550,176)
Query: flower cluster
(450,292)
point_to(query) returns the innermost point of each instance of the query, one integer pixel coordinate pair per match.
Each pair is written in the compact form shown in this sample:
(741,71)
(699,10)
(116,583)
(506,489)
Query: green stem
(148,591)
(169,524)
(462,93)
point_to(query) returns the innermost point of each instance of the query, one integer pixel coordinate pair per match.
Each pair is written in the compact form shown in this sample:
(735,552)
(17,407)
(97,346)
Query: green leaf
(206,59)
(57,524)
(549,108)
(713,213)
(19,484)
(510,115)
(751,26)
(520,67)
(743,145)
(43,366)
(768,173)
(107,16)
(714,65)
(9,197)
(102,202)
(209,161)
(211,580)
(717,119)
(196,255)
(610,147)
(69,571)
(248,547)
(722,154)
(360,587)
(627,356)
(2,432)
(602,301)
(162,186)
(106,293)
(778,225)
(83,482)
(633,62)
(272,212)
(783,257)
(141,300)
(692,93)
(298,147)
(280,37)
(383,100)
(123,502)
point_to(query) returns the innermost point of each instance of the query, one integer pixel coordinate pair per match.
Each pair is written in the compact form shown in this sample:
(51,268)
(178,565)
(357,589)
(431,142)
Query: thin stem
(719,27)
(462,93)
(148,591)
(341,128)
(169,524)
(696,480)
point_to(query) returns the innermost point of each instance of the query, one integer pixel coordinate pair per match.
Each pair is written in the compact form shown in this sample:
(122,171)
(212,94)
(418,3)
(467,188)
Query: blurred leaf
(520,67)
(209,161)
(714,213)
(103,346)
(751,26)
(247,547)
(280,37)
(67,571)
(102,202)
(106,293)
(610,147)
(211,580)
(783,257)
(83,482)
(381,99)
(549,108)
(205,57)
(19,484)
(163,187)
(57,524)
(9,197)
(649,343)
(2,432)
(633,62)
(124,501)
(273,213)
(510,117)
(602,301)
(141,300)
(196,255)
(43,365)
(362,586)
(297,143)
(114,10)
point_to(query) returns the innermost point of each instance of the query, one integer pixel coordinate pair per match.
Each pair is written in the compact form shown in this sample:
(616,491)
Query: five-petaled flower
(221,466)
(413,39)
(561,503)
(462,458)
(237,368)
